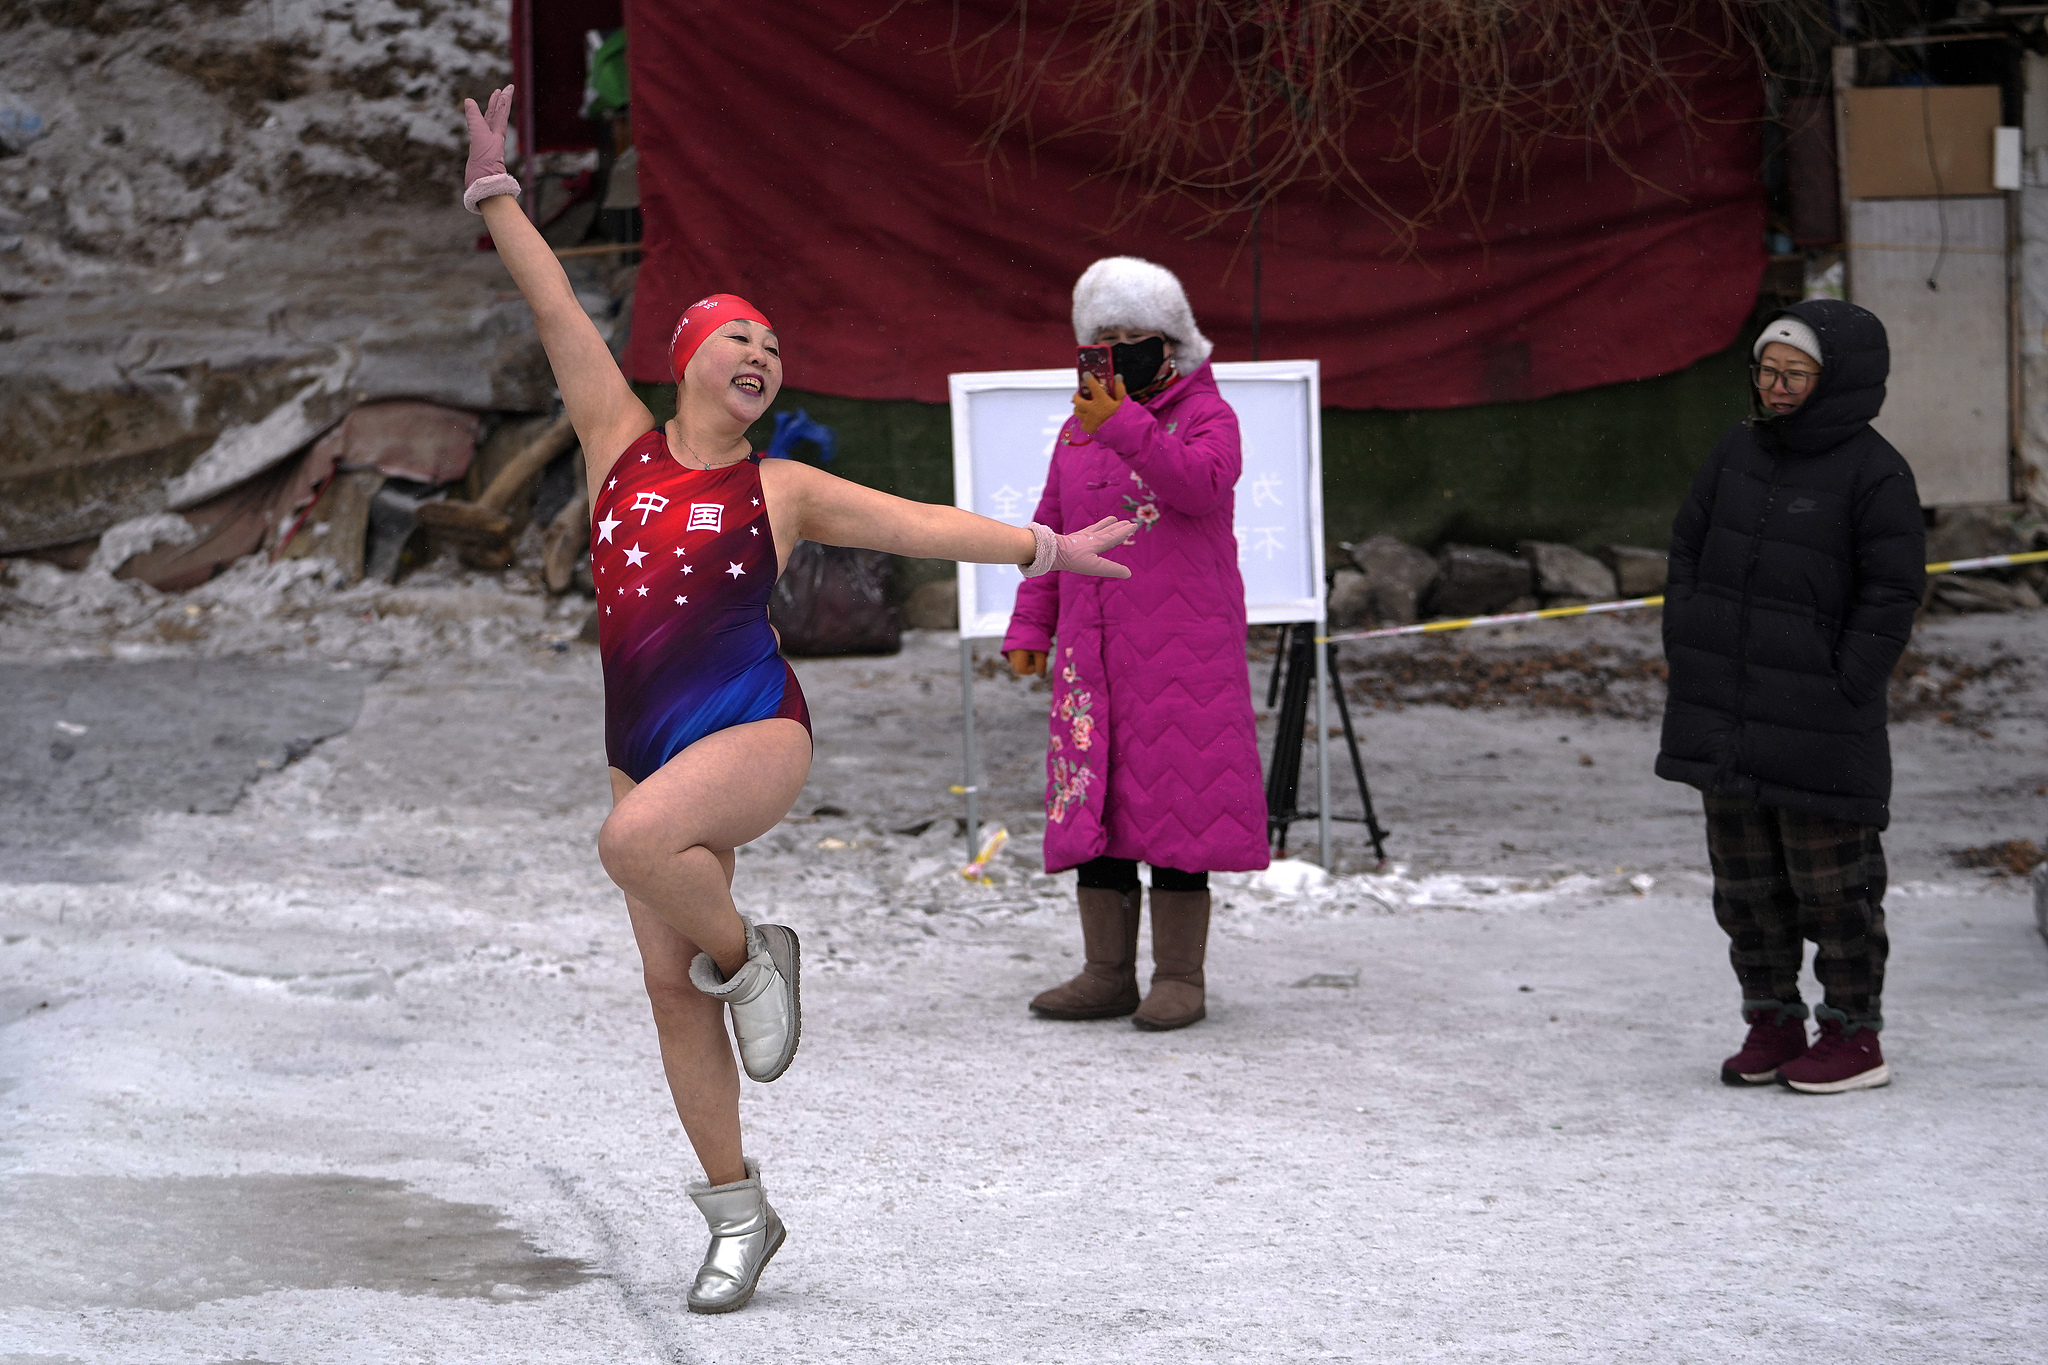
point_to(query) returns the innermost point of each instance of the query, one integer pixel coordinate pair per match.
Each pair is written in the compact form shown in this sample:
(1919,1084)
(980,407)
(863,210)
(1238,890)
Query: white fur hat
(1793,333)
(1123,291)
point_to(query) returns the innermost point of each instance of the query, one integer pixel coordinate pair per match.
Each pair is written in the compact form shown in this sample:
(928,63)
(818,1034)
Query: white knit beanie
(1792,332)
(1123,291)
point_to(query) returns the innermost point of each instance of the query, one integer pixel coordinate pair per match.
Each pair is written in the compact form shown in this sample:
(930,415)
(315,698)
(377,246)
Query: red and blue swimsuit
(684,561)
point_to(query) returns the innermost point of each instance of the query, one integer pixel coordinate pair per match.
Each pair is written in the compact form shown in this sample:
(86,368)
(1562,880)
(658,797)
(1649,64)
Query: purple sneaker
(1838,1061)
(1777,1035)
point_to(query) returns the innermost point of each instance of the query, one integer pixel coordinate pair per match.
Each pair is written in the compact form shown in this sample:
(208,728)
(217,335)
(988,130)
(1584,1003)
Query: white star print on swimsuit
(680,665)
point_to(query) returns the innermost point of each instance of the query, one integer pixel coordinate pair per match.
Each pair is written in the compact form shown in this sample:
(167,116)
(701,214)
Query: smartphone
(1094,360)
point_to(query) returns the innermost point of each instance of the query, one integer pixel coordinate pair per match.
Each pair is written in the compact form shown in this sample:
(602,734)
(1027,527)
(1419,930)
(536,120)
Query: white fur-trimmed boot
(745,1235)
(767,1017)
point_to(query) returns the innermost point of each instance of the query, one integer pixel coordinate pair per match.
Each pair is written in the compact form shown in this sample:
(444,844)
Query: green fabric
(604,83)
(1602,466)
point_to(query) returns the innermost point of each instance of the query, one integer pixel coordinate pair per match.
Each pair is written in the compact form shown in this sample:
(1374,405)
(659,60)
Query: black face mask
(1138,363)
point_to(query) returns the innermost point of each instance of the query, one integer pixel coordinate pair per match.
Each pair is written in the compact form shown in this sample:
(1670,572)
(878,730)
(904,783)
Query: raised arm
(809,504)
(1193,469)
(601,405)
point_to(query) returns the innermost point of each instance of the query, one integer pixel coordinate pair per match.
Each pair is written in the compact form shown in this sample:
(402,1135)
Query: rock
(1397,576)
(1637,572)
(1972,533)
(934,606)
(1562,571)
(1475,581)
(1963,593)
(1350,602)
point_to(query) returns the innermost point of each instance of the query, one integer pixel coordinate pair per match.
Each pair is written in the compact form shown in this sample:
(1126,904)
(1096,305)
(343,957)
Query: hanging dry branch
(1224,104)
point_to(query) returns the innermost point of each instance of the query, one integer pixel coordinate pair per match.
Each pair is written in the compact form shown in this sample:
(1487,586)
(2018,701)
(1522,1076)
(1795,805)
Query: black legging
(1121,874)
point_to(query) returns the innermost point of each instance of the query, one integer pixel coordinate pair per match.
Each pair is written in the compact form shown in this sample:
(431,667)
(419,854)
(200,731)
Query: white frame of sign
(977,622)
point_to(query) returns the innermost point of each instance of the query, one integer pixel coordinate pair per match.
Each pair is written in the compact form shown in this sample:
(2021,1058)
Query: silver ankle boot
(767,1017)
(745,1234)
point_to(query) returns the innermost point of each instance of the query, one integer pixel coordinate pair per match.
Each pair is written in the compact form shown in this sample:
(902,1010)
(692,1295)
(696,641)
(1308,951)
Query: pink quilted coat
(1153,754)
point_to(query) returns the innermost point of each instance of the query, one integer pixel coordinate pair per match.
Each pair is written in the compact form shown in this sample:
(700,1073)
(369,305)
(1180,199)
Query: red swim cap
(700,319)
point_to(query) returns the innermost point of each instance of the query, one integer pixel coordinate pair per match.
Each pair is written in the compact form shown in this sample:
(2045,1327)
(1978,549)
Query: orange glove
(1094,406)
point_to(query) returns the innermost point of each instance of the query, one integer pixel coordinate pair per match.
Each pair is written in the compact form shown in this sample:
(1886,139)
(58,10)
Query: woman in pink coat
(1154,755)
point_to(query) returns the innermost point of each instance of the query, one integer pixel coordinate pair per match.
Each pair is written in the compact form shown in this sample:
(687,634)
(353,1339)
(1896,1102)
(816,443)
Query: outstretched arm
(1037,610)
(809,504)
(601,405)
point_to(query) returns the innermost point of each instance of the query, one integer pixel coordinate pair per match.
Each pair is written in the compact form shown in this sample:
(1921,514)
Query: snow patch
(242,452)
(137,536)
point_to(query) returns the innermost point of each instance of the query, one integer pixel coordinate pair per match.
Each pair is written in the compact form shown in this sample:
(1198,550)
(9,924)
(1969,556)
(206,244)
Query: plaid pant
(1782,877)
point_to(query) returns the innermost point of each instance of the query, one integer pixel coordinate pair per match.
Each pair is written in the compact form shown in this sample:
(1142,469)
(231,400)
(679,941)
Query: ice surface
(1463,1110)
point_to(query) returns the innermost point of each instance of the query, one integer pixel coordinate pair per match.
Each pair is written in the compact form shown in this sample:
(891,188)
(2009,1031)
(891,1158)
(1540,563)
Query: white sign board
(1006,422)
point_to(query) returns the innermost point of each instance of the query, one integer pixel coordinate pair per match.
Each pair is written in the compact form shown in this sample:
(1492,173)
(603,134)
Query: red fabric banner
(838,185)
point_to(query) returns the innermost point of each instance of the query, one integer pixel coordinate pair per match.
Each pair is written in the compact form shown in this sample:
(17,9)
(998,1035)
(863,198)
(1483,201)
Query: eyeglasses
(1794,381)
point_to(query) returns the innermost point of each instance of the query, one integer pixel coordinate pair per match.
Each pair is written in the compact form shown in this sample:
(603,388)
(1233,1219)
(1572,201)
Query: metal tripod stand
(1294,671)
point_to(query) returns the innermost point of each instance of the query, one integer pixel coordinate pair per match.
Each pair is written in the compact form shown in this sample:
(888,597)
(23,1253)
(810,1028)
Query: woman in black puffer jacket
(1797,564)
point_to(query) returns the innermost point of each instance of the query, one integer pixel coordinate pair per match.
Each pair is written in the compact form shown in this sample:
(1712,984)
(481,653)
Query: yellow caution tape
(1631,604)
(1988,562)
(977,871)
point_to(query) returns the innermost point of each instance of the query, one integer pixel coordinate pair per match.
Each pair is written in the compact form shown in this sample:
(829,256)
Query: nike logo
(1803,505)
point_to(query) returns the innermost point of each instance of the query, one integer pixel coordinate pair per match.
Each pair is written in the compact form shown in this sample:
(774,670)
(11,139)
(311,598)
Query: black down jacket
(1797,564)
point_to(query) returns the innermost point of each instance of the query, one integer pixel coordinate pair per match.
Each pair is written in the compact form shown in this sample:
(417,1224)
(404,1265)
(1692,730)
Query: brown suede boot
(1180,942)
(1107,987)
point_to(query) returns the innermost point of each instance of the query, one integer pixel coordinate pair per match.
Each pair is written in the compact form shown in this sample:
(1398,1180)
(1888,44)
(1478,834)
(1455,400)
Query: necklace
(691,450)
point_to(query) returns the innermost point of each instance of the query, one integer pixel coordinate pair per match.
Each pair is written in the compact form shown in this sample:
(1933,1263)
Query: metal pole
(1323,746)
(967,763)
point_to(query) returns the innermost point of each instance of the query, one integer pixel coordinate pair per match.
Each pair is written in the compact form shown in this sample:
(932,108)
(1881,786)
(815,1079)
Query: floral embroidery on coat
(1145,506)
(1068,787)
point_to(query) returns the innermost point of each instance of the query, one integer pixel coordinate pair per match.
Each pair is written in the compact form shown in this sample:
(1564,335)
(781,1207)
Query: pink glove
(1081,552)
(485,175)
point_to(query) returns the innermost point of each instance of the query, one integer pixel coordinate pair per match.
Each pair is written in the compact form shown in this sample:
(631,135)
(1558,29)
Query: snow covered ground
(332,1050)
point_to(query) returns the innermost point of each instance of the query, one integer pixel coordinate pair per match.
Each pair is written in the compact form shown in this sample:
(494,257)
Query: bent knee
(628,843)
(670,992)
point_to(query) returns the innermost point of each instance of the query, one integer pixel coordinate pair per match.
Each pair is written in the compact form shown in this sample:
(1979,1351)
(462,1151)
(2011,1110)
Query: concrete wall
(2030,478)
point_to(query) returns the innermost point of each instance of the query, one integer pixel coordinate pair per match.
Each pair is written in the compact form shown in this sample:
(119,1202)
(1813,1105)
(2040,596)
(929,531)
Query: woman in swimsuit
(705,728)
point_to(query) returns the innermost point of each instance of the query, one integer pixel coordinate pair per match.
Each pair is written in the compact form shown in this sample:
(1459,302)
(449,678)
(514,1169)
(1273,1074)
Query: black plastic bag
(833,600)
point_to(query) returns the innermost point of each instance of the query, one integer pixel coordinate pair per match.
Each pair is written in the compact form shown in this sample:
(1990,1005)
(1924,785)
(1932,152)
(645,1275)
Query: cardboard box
(1891,130)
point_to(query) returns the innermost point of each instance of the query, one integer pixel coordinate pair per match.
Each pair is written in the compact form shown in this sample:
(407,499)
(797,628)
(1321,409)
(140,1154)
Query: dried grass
(2013,858)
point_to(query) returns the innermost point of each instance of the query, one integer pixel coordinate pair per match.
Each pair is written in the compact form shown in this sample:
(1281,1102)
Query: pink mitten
(485,175)
(1081,552)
